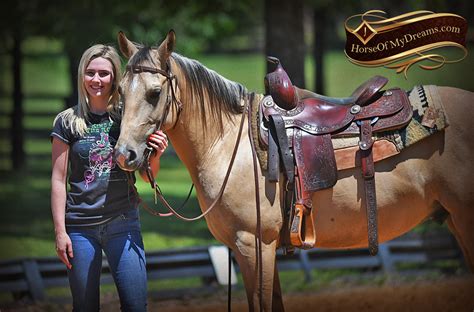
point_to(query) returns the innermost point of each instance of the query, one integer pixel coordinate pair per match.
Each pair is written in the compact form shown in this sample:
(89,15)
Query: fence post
(387,263)
(34,280)
(304,259)
(219,258)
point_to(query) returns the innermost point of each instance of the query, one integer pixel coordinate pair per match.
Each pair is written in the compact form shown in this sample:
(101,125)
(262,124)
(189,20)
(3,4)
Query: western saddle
(297,125)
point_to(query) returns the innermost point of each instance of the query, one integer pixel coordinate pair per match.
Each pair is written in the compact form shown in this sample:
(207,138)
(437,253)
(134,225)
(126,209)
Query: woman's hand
(158,141)
(64,248)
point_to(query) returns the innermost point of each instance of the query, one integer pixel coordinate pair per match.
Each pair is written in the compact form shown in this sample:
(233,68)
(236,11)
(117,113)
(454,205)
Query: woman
(99,211)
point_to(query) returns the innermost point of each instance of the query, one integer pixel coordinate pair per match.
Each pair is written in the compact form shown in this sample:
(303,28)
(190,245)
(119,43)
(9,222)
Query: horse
(202,125)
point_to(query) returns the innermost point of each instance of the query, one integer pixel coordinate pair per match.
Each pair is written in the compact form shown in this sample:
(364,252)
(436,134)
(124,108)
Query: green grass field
(26,226)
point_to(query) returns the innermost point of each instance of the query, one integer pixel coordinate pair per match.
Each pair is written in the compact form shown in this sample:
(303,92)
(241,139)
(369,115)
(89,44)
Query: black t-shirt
(98,189)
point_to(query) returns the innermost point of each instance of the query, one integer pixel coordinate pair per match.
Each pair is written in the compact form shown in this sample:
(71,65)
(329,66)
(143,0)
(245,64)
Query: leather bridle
(171,94)
(171,98)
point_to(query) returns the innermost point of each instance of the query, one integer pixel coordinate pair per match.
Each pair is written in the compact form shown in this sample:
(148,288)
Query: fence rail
(31,277)
(30,131)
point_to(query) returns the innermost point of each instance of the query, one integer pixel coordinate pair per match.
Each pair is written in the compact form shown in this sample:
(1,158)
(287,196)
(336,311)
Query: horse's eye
(153,95)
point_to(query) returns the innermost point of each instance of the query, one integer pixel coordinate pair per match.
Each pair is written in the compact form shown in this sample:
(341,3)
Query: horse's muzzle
(126,158)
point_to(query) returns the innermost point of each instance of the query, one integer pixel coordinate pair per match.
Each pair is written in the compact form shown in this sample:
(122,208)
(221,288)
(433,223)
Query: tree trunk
(71,100)
(319,22)
(284,37)
(74,53)
(16,134)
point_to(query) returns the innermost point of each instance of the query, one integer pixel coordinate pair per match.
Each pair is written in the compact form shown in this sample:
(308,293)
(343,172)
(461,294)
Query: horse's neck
(197,147)
(200,142)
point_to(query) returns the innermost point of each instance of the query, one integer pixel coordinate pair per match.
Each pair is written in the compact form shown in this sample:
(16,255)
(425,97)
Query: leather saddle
(297,126)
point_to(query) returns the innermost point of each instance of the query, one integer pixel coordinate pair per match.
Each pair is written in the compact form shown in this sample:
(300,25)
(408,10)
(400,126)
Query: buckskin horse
(200,112)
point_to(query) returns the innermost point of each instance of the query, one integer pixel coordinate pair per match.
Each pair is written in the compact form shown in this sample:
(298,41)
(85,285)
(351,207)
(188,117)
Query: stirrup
(302,237)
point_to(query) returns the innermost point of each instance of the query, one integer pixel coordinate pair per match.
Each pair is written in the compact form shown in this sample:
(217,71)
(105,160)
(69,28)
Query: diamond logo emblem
(364,32)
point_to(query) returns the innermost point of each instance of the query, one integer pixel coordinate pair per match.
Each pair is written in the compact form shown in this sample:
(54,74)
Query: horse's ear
(126,46)
(167,46)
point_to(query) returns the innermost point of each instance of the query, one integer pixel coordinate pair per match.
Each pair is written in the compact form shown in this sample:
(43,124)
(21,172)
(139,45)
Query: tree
(12,31)
(81,23)
(284,36)
(319,43)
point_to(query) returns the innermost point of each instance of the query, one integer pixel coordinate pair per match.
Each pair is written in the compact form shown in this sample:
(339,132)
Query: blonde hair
(76,117)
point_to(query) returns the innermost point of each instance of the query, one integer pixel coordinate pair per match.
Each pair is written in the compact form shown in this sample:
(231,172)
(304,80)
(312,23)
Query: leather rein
(137,69)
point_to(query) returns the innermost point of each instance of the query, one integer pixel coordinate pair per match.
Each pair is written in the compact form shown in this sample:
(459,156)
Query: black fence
(31,277)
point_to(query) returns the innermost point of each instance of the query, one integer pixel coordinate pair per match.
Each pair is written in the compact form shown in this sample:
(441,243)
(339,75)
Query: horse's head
(147,91)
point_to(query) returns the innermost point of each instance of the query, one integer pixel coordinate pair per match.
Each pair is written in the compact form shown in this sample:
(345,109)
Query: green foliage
(79,24)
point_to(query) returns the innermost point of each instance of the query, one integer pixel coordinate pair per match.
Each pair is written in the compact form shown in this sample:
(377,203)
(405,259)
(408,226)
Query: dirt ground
(450,294)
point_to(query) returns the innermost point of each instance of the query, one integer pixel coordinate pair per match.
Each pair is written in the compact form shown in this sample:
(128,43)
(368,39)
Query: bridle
(171,98)
(171,94)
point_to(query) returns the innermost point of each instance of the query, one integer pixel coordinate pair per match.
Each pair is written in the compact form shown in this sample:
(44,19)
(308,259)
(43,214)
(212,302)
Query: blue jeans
(122,243)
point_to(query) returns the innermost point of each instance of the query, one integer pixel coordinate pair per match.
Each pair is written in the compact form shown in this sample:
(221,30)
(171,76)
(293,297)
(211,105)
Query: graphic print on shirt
(100,154)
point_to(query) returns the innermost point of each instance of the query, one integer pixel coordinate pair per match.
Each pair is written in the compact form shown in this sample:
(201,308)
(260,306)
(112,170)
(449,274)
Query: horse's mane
(204,84)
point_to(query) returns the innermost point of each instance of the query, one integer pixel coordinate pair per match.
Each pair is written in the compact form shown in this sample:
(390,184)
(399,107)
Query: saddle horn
(279,86)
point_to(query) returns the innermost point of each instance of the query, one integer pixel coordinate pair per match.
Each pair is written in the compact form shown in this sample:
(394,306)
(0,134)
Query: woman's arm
(159,142)
(59,159)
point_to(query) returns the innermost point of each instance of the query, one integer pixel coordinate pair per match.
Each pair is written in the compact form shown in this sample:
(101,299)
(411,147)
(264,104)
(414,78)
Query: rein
(173,211)
(258,247)
(137,69)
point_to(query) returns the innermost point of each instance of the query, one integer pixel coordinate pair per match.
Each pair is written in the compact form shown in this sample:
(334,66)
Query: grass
(26,228)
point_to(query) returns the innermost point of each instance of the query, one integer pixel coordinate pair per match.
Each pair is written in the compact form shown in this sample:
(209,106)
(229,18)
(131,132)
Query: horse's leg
(277,298)
(462,230)
(246,257)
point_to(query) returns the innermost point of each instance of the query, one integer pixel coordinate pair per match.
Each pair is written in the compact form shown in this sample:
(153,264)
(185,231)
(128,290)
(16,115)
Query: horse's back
(455,162)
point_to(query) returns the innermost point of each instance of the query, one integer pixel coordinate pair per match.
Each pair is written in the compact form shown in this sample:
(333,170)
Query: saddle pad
(428,118)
